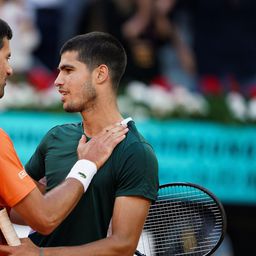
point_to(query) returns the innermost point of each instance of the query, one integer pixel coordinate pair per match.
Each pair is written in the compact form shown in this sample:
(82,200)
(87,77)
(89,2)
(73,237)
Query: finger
(115,129)
(116,140)
(114,132)
(105,133)
(83,139)
(111,127)
(5,248)
(112,137)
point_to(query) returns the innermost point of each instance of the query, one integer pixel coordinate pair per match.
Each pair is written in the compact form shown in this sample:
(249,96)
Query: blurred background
(190,85)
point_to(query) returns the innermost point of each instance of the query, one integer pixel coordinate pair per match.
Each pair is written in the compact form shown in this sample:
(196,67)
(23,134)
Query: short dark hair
(96,48)
(5,32)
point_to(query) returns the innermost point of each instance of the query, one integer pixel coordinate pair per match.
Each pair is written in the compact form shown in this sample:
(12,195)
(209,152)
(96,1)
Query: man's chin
(2,90)
(69,110)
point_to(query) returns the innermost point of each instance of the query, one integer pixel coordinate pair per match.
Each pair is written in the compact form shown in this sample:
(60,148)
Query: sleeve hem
(15,200)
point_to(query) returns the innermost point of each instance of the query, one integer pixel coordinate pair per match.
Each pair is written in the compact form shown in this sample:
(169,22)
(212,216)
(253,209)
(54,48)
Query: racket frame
(215,199)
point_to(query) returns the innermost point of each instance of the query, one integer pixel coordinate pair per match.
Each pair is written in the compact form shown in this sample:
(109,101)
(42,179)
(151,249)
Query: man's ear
(102,73)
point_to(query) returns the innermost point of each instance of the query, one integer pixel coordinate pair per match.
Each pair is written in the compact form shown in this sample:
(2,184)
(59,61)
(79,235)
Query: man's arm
(128,219)
(15,217)
(45,212)
(127,224)
(137,24)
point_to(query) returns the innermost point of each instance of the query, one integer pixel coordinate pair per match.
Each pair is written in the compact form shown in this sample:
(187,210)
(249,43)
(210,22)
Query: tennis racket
(186,219)
(7,229)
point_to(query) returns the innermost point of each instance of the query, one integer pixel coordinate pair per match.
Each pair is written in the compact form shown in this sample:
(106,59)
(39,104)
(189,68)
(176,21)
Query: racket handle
(7,229)
(138,253)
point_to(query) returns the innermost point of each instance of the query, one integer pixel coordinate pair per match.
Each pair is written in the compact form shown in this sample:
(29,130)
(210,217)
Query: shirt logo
(22,174)
(82,175)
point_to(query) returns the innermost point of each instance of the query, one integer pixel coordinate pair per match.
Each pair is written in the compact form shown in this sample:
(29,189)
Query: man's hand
(100,147)
(26,248)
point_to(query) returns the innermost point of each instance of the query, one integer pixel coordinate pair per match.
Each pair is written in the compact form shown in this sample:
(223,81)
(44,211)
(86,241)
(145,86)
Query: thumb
(5,249)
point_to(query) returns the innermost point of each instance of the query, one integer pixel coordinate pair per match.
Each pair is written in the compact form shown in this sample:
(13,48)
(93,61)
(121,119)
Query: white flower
(189,102)
(19,95)
(237,105)
(159,100)
(252,109)
(136,90)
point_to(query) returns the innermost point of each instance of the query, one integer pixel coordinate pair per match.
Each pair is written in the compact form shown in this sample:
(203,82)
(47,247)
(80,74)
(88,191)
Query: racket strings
(183,221)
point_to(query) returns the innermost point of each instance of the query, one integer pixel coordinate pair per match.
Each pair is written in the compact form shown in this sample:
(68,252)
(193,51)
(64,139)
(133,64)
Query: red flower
(211,84)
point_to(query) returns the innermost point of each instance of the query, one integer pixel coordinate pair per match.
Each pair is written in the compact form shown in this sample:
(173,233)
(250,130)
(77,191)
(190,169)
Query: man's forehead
(70,59)
(6,46)
(5,41)
(69,54)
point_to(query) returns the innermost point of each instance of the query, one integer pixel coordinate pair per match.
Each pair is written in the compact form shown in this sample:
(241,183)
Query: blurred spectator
(128,21)
(153,41)
(177,62)
(71,14)
(224,42)
(25,34)
(47,18)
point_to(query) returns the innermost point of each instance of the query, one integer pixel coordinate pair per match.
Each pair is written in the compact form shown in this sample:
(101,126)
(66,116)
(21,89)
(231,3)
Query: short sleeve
(15,183)
(35,167)
(138,172)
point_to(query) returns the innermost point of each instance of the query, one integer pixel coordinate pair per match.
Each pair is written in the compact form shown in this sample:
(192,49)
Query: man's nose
(58,81)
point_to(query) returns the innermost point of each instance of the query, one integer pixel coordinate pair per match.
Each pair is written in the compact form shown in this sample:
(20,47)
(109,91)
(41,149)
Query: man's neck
(94,123)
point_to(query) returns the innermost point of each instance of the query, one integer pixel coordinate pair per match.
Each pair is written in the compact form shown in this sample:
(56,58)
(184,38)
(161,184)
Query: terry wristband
(83,170)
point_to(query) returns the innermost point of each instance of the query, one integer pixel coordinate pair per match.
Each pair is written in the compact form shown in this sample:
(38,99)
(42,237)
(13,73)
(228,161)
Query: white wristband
(83,170)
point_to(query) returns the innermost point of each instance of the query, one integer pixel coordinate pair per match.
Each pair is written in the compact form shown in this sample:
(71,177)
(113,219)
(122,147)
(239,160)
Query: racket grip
(8,230)
(137,253)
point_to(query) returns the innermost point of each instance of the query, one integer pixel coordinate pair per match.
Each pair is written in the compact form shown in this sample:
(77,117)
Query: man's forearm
(60,201)
(45,212)
(110,246)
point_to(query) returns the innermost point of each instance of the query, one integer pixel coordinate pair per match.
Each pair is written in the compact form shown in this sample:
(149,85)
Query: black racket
(186,219)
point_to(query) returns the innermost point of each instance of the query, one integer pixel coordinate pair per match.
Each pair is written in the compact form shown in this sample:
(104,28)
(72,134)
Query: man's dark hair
(98,48)
(5,32)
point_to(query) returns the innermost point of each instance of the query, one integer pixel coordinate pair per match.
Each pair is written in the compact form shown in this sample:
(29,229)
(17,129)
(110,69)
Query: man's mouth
(63,94)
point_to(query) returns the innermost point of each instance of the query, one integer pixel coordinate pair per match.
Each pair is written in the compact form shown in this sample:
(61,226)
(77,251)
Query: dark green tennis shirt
(131,170)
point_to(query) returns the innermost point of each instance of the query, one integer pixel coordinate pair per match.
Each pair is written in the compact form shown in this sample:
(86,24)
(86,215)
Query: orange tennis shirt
(15,184)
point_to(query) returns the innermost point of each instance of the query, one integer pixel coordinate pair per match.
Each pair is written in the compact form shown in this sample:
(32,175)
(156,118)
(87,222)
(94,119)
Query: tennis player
(90,70)
(18,190)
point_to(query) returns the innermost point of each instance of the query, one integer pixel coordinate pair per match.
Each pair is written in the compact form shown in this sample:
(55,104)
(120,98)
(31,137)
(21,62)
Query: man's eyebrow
(65,66)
